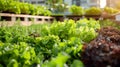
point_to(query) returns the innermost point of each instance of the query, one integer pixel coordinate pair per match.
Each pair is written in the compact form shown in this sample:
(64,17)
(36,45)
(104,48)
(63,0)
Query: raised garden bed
(24,19)
(77,17)
(62,17)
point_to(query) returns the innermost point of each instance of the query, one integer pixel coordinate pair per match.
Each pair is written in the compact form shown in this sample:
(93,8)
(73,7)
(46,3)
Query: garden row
(49,45)
(77,10)
(61,44)
(14,6)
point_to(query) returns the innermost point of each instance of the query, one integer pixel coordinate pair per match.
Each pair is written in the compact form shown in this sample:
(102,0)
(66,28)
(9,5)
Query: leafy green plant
(24,7)
(77,63)
(91,23)
(2,5)
(59,61)
(32,9)
(76,10)
(110,10)
(93,11)
(60,7)
(72,47)
(69,29)
(85,26)
(14,6)
(56,6)
(63,30)
(45,44)
(107,22)
(10,6)
(16,55)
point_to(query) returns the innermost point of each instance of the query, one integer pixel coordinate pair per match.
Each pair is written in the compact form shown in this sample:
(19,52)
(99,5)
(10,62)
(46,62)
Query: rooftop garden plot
(57,44)
(16,7)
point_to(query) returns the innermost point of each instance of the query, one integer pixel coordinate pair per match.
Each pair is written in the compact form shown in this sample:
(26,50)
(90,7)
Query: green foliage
(64,30)
(76,10)
(85,26)
(19,55)
(77,63)
(59,7)
(93,11)
(2,5)
(9,6)
(4,35)
(13,63)
(59,61)
(13,6)
(49,45)
(68,29)
(46,45)
(107,22)
(91,23)
(8,36)
(72,47)
(110,10)
(24,7)
(55,1)
(84,35)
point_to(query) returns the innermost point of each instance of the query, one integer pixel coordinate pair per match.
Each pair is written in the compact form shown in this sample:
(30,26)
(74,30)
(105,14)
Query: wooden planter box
(76,17)
(24,19)
(110,16)
(96,17)
(62,17)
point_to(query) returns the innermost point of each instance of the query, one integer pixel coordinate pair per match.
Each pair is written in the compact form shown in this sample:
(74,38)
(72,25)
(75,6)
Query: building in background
(112,3)
(83,3)
(37,2)
(103,3)
(93,3)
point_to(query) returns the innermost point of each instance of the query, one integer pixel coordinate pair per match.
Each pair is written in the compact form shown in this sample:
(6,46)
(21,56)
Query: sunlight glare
(102,3)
